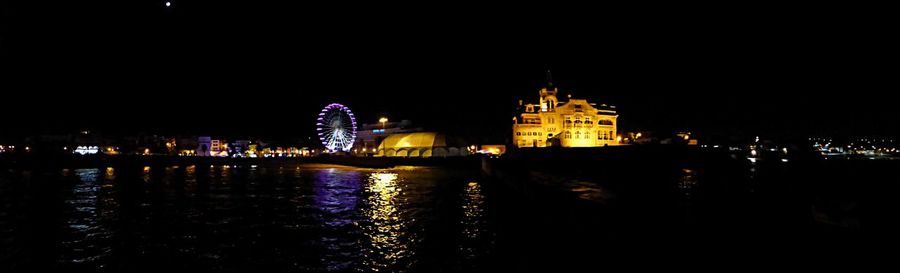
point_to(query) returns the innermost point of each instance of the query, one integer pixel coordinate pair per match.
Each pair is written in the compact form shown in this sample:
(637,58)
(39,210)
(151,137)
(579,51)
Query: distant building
(574,123)
(206,146)
(370,135)
(203,144)
(239,148)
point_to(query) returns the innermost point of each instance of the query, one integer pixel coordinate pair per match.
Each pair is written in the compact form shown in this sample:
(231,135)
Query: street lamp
(383,120)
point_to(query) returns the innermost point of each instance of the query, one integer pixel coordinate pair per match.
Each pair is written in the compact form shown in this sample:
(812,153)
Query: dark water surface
(245,218)
(323,218)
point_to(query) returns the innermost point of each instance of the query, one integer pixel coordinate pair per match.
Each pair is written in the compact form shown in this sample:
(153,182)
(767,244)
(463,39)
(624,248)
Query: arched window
(611,135)
(578,135)
(568,135)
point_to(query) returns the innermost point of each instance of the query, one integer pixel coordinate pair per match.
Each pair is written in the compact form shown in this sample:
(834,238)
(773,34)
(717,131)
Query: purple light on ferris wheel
(337,127)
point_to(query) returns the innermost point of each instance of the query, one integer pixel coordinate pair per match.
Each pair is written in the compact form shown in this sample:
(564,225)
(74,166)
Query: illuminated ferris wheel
(336,127)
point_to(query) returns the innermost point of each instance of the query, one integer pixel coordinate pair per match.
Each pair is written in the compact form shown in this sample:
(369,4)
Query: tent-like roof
(414,140)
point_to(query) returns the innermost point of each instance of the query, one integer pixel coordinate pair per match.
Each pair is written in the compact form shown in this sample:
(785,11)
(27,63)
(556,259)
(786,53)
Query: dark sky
(265,68)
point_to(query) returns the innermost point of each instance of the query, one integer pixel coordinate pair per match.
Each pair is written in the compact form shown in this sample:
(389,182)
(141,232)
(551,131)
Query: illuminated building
(492,149)
(171,146)
(421,144)
(206,146)
(368,138)
(252,150)
(203,144)
(574,123)
(239,148)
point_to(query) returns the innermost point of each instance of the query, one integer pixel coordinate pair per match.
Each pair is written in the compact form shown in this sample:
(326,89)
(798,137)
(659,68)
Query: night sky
(265,68)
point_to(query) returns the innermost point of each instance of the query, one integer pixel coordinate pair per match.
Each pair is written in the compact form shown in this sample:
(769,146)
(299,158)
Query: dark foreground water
(321,218)
(245,218)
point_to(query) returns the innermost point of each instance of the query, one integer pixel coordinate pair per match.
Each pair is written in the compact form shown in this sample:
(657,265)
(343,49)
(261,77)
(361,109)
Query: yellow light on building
(619,139)
(573,123)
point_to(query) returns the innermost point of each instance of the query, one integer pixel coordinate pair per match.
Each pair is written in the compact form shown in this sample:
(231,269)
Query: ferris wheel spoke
(336,127)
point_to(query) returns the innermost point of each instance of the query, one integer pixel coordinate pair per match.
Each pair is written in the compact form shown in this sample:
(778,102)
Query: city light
(383,121)
(87,150)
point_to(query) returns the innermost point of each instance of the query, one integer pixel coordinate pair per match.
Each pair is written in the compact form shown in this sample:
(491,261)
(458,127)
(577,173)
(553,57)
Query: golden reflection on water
(146,175)
(473,226)
(473,211)
(387,229)
(687,182)
(110,173)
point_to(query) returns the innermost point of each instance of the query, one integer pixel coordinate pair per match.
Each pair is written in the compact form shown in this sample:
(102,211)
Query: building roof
(414,140)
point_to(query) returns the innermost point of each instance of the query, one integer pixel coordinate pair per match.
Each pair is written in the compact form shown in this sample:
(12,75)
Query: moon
(168,4)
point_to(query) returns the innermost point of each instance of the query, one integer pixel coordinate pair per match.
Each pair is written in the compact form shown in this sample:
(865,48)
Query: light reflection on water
(336,196)
(386,229)
(473,222)
(687,182)
(90,209)
(282,218)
